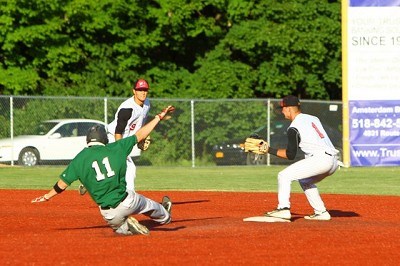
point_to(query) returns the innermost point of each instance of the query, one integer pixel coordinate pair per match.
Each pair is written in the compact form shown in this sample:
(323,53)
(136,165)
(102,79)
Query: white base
(265,219)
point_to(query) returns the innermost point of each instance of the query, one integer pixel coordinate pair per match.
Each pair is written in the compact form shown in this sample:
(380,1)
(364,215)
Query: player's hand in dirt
(40,199)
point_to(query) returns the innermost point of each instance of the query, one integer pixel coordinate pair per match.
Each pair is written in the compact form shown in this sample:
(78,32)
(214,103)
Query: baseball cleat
(82,190)
(167,204)
(283,213)
(136,228)
(321,216)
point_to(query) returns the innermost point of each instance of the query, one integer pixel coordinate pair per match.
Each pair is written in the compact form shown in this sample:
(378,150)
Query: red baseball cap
(142,85)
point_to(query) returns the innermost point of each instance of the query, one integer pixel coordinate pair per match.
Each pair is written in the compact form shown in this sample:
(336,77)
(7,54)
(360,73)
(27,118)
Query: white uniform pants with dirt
(134,204)
(308,172)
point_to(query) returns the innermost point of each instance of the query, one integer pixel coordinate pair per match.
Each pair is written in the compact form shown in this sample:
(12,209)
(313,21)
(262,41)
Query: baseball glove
(144,144)
(254,145)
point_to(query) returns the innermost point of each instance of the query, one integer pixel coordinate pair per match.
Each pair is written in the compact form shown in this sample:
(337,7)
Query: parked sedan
(232,152)
(57,140)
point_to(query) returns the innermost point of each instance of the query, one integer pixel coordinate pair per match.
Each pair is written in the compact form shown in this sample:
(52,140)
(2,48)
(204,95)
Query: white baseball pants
(308,172)
(130,174)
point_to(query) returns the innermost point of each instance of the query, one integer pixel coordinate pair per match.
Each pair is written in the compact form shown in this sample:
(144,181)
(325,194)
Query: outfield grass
(373,181)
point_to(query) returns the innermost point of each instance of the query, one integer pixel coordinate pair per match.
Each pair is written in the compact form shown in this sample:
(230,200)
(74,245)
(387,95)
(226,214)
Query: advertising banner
(373,82)
(375,133)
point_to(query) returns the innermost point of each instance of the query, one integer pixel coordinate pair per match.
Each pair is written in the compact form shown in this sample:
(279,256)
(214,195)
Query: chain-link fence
(52,130)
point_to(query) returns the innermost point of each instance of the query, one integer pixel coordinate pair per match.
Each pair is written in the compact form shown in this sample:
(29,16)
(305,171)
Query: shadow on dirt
(340,213)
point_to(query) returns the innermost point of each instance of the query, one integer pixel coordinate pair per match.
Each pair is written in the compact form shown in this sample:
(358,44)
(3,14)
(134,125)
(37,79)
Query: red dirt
(207,228)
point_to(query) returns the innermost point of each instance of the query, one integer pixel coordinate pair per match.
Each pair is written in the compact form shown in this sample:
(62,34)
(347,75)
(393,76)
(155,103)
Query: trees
(196,49)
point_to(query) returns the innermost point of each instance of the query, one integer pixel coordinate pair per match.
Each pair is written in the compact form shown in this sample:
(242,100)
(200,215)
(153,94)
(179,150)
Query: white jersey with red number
(313,138)
(132,122)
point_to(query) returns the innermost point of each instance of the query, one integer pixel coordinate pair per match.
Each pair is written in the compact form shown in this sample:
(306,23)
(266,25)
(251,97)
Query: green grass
(372,181)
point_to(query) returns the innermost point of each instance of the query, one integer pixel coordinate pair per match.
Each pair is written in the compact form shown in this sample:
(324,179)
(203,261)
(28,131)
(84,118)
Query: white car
(58,140)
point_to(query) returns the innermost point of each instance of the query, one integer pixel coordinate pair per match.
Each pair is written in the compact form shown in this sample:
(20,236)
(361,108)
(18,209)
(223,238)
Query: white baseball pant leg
(134,204)
(130,174)
(308,172)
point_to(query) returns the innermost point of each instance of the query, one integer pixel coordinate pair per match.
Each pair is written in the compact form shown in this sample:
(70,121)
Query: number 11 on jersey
(99,175)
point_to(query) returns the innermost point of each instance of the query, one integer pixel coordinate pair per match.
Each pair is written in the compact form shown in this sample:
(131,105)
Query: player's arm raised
(142,133)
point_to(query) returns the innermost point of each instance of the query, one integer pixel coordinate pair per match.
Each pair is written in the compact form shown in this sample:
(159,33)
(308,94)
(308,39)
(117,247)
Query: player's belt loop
(108,207)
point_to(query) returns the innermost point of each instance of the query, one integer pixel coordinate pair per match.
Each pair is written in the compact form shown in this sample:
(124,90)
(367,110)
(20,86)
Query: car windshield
(43,128)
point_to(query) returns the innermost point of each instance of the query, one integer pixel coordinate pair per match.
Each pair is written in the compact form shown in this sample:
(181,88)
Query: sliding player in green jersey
(101,168)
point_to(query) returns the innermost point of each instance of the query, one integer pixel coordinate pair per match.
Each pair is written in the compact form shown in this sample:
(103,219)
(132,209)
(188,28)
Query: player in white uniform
(307,133)
(129,118)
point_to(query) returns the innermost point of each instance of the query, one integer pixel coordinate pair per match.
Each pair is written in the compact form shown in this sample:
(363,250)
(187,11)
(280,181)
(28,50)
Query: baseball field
(209,205)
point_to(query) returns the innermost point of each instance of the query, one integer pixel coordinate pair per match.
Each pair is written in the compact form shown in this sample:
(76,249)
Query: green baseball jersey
(101,169)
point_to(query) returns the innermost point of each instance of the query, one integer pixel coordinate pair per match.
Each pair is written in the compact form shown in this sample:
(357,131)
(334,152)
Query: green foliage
(223,79)
(5,128)
(19,80)
(290,46)
(204,49)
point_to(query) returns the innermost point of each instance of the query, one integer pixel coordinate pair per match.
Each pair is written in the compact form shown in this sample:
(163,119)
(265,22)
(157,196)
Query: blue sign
(374,133)
(374,2)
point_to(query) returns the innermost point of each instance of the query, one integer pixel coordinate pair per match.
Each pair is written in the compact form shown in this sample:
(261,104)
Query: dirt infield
(207,229)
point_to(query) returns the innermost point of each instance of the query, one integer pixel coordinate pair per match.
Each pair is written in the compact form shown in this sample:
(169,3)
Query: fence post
(12,128)
(192,123)
(269,128)
(105,110)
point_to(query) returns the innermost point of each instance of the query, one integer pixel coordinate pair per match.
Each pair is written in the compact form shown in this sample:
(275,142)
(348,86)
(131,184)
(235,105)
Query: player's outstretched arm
(59,187)
(142,133)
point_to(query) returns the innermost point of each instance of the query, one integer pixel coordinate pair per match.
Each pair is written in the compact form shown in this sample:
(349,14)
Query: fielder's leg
(313,196)
(307,168)
(130,174)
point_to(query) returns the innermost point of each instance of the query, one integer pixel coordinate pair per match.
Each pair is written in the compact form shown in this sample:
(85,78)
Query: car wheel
(28,157)
(256,159)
